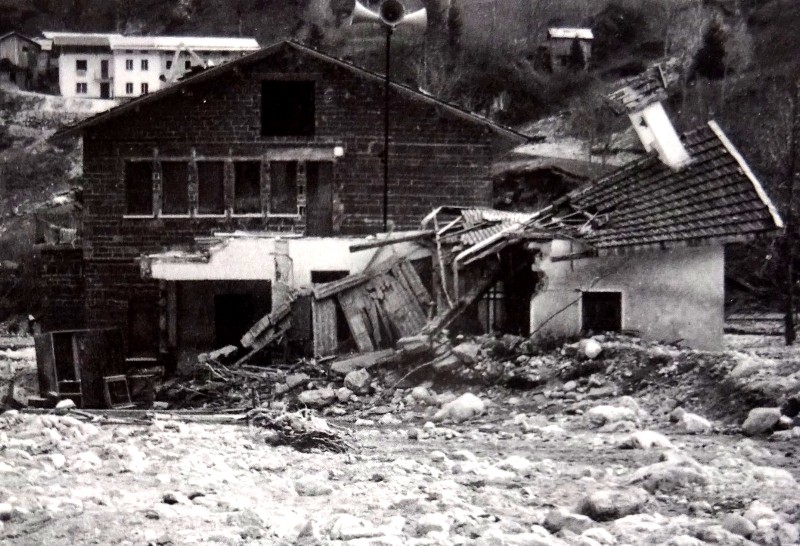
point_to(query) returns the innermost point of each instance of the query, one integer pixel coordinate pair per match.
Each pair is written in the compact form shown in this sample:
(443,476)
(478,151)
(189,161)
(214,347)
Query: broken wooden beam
(270,320)
(378,243)
(360,361)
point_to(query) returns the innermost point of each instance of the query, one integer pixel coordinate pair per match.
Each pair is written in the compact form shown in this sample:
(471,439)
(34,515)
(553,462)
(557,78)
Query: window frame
(144,88)
(81,88)
(129,64)
(145,65)
(186,165)
(78,69)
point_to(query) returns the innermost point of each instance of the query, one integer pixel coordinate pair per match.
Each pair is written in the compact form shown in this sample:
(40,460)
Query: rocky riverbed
(424,466)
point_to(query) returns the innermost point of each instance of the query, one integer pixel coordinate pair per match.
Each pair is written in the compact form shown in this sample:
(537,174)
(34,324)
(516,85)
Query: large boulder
(317,398)
(357,381)
(603,415)
(465,407)
(611,504)
(761,421)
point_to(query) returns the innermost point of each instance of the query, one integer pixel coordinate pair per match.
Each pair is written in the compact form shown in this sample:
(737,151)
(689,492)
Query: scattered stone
(645,439)
(65,406)
(761,421)
(317,398)
(773,531)
(669,476)
(590,348)
(516,463)
(694,424)
(602,415)
(559,519)
(296,379)
(347,527)
(344,394)
(312,486)
(738,525)
(58,460)
(610,504)
(439,523)
(467,352)
(463,408)
(357,381)
(683,540)
(600,536)
(677,414)
(757,511)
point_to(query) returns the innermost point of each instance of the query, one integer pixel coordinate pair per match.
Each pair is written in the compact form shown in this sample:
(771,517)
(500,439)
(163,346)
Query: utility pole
(789,236)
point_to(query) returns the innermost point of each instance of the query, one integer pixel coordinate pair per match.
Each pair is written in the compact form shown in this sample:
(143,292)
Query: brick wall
(62,283)
(435,158)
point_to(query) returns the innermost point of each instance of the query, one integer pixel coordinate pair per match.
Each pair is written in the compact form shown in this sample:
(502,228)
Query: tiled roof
(715,197)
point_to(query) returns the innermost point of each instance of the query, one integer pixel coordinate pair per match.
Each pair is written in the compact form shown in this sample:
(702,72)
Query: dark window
(287,108)
(169,65)
(283,187)
(145,88)
(210,187)
(319,198)
(128,64)
(129,88)
(81,65)
(187,65)
(145,64)
(247,187)
(81,87)
(602,311)
(139,187)
(318,277)
(175,184)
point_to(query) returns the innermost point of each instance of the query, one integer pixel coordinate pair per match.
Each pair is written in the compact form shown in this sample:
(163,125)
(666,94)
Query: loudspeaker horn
(391,13)
(362,14)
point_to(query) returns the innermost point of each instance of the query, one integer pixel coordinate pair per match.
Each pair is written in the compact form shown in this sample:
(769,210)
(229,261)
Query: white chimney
(656,132)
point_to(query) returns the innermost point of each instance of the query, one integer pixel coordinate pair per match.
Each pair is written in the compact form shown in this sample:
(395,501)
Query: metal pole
(389,30)
(794,175)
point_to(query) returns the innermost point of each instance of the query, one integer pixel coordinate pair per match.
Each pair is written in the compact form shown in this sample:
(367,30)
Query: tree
(710,59)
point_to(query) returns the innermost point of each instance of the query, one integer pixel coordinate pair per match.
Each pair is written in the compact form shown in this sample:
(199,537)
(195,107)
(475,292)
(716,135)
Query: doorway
(319,198)
(105,90)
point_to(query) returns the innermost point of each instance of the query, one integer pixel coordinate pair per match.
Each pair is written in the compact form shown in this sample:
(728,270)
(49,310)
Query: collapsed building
(207,202)
(230,210)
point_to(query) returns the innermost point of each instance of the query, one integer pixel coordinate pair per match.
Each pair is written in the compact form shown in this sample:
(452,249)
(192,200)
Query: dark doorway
(319,198)
(601,311)
(234,314)
(105,90)
(142,329)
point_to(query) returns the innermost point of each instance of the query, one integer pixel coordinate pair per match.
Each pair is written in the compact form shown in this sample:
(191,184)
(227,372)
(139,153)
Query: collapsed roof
(716,198)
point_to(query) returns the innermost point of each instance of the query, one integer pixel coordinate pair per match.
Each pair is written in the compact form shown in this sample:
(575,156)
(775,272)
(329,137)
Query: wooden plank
(274,335)
(415,283)
(273,318)
(46,364)
(402,307)
(328,289)
(361,361)
(325,327)
(353,309)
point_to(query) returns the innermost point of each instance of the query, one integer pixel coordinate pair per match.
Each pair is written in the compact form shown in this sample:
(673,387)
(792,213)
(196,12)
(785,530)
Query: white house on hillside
(116,66)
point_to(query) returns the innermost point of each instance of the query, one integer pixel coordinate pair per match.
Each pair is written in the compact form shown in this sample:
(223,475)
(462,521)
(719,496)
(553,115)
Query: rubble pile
(300,430)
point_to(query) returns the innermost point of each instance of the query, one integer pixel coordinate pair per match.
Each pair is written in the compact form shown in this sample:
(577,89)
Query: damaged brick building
(287,141)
